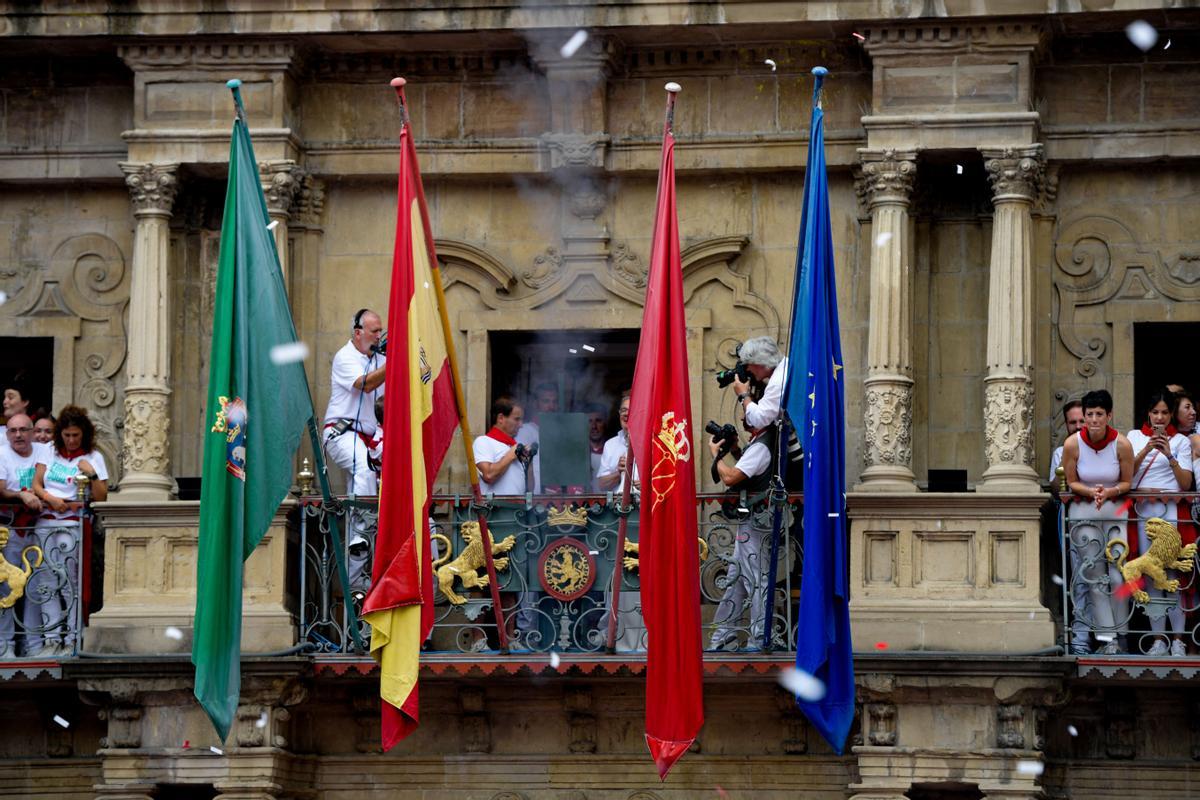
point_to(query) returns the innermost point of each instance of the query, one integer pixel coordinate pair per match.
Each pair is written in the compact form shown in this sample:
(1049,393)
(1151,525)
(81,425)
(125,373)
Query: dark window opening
(949,790)
(1156,362)
(28,362)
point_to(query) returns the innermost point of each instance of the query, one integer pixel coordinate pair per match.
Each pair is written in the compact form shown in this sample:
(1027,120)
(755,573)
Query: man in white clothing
(545,401)
(611,477)
(350,425)
(1073,418)
(18,464)
(501,471)
(768,366)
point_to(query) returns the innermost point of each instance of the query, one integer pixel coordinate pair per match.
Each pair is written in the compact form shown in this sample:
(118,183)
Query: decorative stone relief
(627,266)
(152,187)
(476,727)
(146,446)
(795,740)
(259,725)
(124,726)
(576,150)
(1008,422)
(310,202)
(508,796)
(882,724)
(886,176)
(1015,173)
(578,703)
(585,199)
(888,417)
(281,182)
(546,267)
(1120,720)
(1010,726)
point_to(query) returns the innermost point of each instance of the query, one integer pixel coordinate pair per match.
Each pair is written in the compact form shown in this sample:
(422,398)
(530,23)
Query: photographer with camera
(746,578)
(356,384)
(503,462)
(758,359)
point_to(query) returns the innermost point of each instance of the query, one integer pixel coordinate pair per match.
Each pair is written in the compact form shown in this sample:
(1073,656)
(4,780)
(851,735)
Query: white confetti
(1030,767)
(173,633)
(1142,34)
(1167,45)
(1071,729)
(289,353)
(1032,614)
(770,62)
(882,239)
(262,721)
(3,298)
(1056,579)
(800,683)
(589,348)
(574,43)
(426,284)
(1104,637)
(958,169)
(833,514)
(61,721)
(572,351)
(217,750)
(555,659)
(272,225)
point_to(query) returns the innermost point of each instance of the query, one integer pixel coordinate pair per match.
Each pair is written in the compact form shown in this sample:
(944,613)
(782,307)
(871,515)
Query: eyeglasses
(20,430)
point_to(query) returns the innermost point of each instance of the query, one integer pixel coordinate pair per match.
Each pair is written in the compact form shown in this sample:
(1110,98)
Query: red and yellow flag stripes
(420,417)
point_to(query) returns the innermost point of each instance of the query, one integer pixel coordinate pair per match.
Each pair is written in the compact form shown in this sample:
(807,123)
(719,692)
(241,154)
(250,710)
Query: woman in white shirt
(52,605)
(1162,462)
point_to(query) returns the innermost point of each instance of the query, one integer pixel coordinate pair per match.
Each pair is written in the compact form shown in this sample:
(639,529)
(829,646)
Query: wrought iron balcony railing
(555,557)
(43,589)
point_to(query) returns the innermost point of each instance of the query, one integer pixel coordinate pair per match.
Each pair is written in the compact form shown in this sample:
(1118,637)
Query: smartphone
(1159,430)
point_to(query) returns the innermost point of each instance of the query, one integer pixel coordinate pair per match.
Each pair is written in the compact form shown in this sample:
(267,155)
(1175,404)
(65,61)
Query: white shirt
(60,477)
(610,459)
(1155,471)
(17,471)
(597,459)
(528,434)
(755,460)
(766,410)
(488,451)
(346,402)
(1055,463)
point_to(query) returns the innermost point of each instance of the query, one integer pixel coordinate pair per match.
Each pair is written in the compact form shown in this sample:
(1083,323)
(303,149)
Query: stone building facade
(1013,187)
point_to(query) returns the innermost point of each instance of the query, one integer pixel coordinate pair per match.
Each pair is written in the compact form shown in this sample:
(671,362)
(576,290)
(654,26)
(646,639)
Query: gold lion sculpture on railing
(1167,551)
(14,576)
(633,561)
(466,567)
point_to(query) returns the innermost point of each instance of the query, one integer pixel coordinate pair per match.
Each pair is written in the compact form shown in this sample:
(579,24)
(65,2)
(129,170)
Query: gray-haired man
(767,365)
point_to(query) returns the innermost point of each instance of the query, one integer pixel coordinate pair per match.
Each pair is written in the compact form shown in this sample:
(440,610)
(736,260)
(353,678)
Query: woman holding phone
(1162,462)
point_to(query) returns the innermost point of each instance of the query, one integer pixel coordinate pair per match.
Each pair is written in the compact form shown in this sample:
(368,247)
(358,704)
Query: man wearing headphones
(350,427)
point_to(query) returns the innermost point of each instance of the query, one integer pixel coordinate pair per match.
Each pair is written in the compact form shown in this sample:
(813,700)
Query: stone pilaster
(145,451)
(1016,177)
(281,182)
(885,186)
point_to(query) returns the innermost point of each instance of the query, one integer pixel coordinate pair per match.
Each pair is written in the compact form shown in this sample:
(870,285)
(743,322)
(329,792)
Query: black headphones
(358,315)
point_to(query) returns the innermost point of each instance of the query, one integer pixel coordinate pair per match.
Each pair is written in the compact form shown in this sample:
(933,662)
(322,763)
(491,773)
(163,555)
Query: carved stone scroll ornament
(546,267)
(152,187)
(888,412)
(1008,422)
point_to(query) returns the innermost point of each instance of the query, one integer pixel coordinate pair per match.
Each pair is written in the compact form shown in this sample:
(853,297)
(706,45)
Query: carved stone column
(885,185)
(281,181)
(1016,177)
(146,450)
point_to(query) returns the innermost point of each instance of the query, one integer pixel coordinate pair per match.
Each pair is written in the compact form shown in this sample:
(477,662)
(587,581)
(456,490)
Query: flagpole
(485,537)
(819,74)
(327,501)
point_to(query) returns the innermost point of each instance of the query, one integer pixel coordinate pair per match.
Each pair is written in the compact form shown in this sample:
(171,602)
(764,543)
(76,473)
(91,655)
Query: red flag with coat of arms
(660,427)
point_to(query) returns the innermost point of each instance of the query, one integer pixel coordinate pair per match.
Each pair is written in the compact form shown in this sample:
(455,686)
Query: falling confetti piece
(800,683)
(858,36)
(272,225)
(426,284)
(1142,34)
(1071,729)
(574,43)
(217,750)
(1167,45)
(589,348)
(1127,588)
(1030,767)
(1104,637)
(770,62)
(61,721)
(173,633)
(555,659)
(882,239)
(1056,580)
(721,792)
(187,744)
(262,721)
(958,169)
(572,351)
(289,353)
(1032,614)
(881,645)
(3,298)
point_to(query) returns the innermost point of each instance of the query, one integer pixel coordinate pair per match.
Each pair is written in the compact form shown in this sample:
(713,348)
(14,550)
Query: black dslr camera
(740,371)
(726,434)
(380,347)
(526,454)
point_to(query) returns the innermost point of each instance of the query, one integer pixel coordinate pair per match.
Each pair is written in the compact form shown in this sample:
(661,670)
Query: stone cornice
(949,36)
(183,55)
(946,505)
(176,513)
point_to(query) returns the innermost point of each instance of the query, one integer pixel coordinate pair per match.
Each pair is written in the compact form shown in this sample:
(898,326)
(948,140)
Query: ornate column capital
(1016,173)
(152,187)
(281,181)
(885,176)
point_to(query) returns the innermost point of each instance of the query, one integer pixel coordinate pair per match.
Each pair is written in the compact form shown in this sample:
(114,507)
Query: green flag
(256,413)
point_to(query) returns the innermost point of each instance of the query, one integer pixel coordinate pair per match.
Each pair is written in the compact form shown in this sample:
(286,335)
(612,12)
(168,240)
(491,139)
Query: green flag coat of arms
(256,413)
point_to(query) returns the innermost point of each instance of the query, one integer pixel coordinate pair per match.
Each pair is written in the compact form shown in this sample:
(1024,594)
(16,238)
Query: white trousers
(349,452)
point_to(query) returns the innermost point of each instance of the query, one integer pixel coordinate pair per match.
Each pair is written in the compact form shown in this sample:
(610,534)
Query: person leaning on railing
(1185,423)
(1099,465)
(51,607)
(1162,461)
(18,465)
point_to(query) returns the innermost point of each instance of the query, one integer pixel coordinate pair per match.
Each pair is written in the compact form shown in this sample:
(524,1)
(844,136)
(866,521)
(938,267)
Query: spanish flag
(420,416)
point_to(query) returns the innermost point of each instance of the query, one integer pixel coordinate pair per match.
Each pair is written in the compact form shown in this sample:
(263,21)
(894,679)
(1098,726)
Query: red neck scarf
(1109,436)
(1148,431)
(501,436)
(71,454)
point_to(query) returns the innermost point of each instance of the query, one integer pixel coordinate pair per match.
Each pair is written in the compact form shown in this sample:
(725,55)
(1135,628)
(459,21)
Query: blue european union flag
(814,398)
